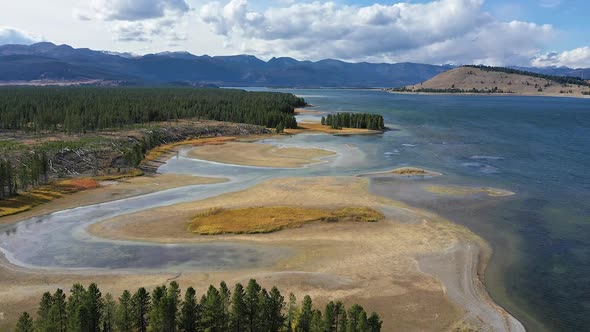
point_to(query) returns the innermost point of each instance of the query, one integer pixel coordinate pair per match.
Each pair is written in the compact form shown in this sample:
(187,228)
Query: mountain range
(49,62)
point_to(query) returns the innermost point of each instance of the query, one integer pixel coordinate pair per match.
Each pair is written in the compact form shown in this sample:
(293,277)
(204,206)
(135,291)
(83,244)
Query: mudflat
(256,154)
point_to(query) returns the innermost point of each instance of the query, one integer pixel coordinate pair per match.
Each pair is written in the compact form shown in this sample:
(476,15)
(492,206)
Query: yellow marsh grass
(47,193)
(273,218)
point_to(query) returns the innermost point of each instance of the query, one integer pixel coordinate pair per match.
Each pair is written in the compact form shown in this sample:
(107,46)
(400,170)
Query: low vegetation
(248,309)
(268,219)
(558,79)
(354,120)
(56,189)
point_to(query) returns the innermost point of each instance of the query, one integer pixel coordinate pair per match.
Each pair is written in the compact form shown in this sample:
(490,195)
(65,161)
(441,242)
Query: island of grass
(407,172)
(267,219)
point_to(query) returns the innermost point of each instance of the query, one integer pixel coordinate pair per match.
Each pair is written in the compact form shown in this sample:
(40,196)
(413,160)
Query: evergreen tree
(190,312)
(141,307)
(172,303)
(275,305)
(44,323)
(317,324)
(252,301)
(305,315)
(212,310)
(343,323)
(375,323)
(225,294)
(94,304)
(157,311)
(108,313)
(25,323)
(292,311)
(57,313)
(239,311)
(330,323)
(124,313)
(75,309)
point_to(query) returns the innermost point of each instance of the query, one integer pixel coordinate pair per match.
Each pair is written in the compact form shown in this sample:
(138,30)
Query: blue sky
(493,32)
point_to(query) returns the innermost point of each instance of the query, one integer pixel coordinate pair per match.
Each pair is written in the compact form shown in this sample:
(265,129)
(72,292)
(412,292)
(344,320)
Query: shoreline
(477,266)
(564,95)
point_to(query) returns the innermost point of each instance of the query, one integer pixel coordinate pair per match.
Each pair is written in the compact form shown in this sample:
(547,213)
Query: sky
(491,32)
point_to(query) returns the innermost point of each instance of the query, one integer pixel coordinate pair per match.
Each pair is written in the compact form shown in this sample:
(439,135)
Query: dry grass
(414,171)
(268,219)
(47,193)
(318,127)
(159,151)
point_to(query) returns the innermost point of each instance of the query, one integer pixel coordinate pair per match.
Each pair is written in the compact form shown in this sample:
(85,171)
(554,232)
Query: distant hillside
(479,79)
(47,62)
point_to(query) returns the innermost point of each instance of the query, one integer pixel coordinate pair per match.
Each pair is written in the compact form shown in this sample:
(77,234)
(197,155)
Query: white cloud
(134,10)
(147,30)
(10,35)
(457,31)
(576,58)
(138,20)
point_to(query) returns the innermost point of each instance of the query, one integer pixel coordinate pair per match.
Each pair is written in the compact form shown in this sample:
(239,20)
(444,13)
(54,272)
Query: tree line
(30,170)
(80,109)
(249,309)
(354,120)
(558,79)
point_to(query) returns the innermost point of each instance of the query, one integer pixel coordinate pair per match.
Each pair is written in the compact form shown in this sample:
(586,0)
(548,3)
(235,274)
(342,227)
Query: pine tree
(239,310)
(57,313)
(124,313)
(172,302)
(190,312)
(343,323)
(44,323)
(275,305)
(156,314)
(141,307)
(292,310)
(212,310)
(94,304)
(25,323)
(74,308)
(252,301)
(225,294)
(317,323)
(108,313)
(305,315)
(330,323)
(375,323)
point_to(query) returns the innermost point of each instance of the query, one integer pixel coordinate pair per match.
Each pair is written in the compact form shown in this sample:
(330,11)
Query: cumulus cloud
(138,20)
(443,31)
(134,10)
(576,58)
(10,35)
(146,31)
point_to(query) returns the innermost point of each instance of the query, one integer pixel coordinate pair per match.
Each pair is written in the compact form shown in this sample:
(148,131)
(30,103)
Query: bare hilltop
(500,80)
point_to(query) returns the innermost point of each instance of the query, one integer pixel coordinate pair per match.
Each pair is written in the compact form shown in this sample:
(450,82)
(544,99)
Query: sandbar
(259,154)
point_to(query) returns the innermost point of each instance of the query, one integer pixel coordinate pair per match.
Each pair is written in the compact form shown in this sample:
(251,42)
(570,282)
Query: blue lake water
(537,147)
